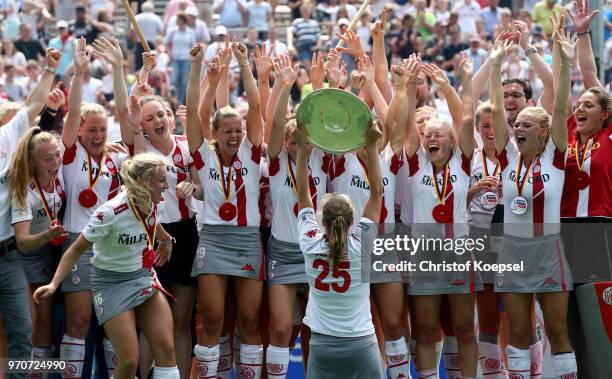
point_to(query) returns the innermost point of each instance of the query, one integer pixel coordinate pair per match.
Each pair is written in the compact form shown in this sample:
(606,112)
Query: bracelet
(164,241)
(581,33)
(53,112)
(531,50)
(50,69)
(75,74)
(137,132)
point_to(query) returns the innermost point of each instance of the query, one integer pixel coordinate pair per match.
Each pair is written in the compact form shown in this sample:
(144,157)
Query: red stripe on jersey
(537,195)
(328,160)
(181,176)
(559,159)
(256,153)
(413,164)
(602,290)
(198,161)
(339,167)
(503,159)
(59,189)
(115,184)
(466,164)
(241,201)
(131,150)
(264,188)
(274,167)
(396,163)
(69,154)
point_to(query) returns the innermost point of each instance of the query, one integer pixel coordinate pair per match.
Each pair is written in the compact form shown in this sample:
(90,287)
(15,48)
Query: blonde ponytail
(141,167)
(22,169)
(337,213)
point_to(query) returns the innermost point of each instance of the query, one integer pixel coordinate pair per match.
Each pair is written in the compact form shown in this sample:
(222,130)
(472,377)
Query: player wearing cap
(532,167)
(230,173)
(14,307)
(343,343)
(125,288)
(439,165)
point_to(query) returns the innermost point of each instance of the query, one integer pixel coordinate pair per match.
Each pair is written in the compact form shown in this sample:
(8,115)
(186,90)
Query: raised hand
(196,53)
(377,29)
(398,74)
(241,53)
(372,134)
(134,118)
(523,31)
(364,65)
(581,17)
(317,69)
(285,72)
(567,47)
(52,57)
(225,52)
(56,97)
(557,21)
(263,61)
(299,135)
(353,44)
(149,60)
(141,89)
(109,50)
(181,114)
(357,80)
(436,74)
(214,72)
(81,56)
(500,50)
(466,66)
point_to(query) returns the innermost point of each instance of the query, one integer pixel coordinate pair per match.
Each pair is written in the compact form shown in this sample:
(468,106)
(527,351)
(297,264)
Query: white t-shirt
(468,14)
(545,179)
(284,197)
(338,301)
(426,199)
(74,171)
(34,209)
(118,236)
(350,178)
(91,90)
(244,189)
(481,209)
(9,136)
(178,163)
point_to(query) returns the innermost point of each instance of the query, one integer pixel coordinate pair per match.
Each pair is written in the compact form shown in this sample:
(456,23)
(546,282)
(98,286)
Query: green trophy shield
(336,120)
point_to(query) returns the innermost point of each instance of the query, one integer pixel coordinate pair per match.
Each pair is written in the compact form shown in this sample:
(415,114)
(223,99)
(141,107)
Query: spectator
(179,43)
(151,26)
(351,10)
(435,44)
(182,8)
(363,31)
(230,12)
(11,22)
(30,47)
(32,75)
(295,5)
(213,48)
(92,88)
(34,14)
(259,16)
(454,47)
(252,38)
(172,7)
(64,9)
(12,83)
(80,27)
(402,43)
(198,26)
(103,24)
(491,16)
(424,20)
(15,56)
(476,54)
(505,23)
(280,48)
(163,59)
(305,34)
(542,10)
(64,43)
(607,17)
(468,12)
(440,9)
(96,6)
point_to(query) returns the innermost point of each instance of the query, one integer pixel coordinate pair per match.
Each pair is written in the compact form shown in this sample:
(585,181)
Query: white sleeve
(99,225)
(20,214)
(12,132)
(309,231)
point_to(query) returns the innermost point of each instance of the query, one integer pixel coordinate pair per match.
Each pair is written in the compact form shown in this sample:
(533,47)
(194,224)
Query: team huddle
(123,216)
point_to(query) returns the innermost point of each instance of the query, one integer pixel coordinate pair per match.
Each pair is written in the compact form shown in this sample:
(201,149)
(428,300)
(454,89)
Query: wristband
(581,33)
(531,50)
(137,132)
(164,241)
(50,69)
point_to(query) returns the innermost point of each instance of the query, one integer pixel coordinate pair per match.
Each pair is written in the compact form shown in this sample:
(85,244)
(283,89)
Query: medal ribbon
(227,189)
(580,158)
(485,166)
(445,178)
(149,230)
(181,176)
(50,215)
(93,181)
(313,188)
(520,184)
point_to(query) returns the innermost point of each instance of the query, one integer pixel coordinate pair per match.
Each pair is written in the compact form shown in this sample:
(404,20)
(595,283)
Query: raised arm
(193,130)
(586,59)
(481,77)
(558,131)
(498,113)
(263,67)
(225,60)
(303,187)
(466,134)
(271,107)
(335,68)
(373,205)
(381,67)
(438,76)
(397,114)
(73,119)
(380,105)
(286,75)
(317,71)
(254,120)
(37,99)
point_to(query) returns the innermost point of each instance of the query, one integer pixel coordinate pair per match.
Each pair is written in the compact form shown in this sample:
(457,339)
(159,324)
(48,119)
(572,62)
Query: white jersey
(9,137)
(542,191)
(423,189)
(118,237)
(338,301)
(34,209)
(75,173)
(481,208)
(244,188)
(284,197)
(265,199)
(403,195)
(350,178)
(178,163)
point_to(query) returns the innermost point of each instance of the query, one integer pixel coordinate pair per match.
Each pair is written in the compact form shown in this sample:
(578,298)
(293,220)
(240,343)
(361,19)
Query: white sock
(236,350)
(166,372)
(439,347)
(110,358)
(565,365)
(72,351)
(452,363)
(251,360)
(277,361)
(428,374)
(398,358)
(207,359)
(489,358)
(519,362)
(224,369)
(537,356)
(41,353)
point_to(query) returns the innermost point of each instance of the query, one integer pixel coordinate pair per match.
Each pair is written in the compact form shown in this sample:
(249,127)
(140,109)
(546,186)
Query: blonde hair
(90,108)
(452,133)
(149,98)
(9,106)
(22,171)
(338,213)
(224,113)
(290,126)
(141,166)
(482,109)
(541,116)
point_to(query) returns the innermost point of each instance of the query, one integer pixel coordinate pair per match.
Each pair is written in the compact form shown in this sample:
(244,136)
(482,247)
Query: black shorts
(178,270)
